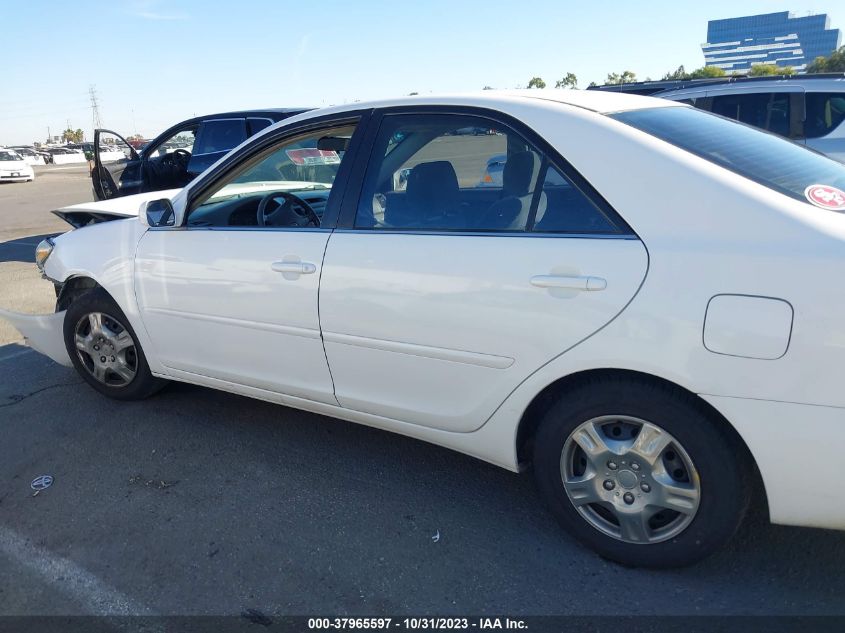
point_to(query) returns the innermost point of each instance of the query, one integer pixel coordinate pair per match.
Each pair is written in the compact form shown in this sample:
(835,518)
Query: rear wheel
(641,473)
(105,350)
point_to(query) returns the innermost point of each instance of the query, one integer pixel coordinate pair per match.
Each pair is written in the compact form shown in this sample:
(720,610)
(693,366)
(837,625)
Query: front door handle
(586,283)
(296,268)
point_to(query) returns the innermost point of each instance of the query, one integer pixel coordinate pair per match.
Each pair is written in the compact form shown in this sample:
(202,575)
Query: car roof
(275,113)
(595,101)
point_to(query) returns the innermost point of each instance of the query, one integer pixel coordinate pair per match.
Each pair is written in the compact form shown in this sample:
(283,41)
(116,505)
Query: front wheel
(105,350)
(641,472)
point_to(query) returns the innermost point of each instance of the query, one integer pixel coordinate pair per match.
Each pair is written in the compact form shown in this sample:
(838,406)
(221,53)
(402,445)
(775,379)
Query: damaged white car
(641,307)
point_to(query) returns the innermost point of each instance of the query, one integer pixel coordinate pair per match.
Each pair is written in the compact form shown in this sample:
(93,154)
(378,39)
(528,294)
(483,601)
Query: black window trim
(359,118)
(351,199)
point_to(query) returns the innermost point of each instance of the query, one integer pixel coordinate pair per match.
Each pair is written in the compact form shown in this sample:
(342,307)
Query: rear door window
(768,111)
(767,159)
(448,172)
(220,135)
(825,112)
(256,124)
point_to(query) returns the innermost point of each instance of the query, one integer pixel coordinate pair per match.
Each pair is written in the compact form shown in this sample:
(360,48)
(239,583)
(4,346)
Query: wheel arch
(530,420)
(73,288)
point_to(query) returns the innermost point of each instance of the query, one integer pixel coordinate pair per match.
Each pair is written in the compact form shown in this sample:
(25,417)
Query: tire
(124,374)
(633,504)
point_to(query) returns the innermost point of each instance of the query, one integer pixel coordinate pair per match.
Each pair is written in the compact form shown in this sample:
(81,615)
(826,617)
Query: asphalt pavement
(201,502)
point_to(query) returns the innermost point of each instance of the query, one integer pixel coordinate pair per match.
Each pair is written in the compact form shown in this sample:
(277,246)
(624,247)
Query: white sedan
(645,309)
(14,168)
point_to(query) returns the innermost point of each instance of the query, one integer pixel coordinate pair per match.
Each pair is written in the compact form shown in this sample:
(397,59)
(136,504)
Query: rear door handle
(586,283)
(297,268)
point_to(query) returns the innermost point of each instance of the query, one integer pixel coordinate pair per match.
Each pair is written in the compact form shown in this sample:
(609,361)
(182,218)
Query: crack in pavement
(18,398)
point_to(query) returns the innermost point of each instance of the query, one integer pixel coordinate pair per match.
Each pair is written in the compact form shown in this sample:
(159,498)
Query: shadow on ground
(21,249)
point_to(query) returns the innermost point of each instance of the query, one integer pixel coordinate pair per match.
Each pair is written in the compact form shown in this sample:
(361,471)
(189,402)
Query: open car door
(117,166)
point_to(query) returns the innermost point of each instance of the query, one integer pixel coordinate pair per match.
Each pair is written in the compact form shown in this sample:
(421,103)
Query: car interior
(287,188)
(454,193)
(166,166)
(443,185)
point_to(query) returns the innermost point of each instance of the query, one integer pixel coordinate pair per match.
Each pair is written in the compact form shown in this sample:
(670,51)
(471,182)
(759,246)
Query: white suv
(807,109)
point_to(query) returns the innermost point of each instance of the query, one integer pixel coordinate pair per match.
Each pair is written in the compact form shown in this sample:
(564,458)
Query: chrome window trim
(510,234)
(262,229)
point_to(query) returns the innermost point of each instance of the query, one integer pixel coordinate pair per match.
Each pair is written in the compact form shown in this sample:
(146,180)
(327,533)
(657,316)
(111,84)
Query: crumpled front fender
(42,332)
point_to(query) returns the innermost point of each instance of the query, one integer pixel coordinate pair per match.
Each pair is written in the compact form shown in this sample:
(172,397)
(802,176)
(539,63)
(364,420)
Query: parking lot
(201,502)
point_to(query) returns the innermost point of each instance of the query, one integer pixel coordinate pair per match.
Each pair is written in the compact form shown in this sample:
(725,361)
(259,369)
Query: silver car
(809,109)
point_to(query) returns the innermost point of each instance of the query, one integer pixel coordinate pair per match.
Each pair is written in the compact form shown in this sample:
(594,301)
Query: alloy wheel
(106,349)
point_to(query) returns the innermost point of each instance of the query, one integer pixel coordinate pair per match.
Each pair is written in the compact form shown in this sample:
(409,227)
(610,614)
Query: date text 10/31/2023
(422,623)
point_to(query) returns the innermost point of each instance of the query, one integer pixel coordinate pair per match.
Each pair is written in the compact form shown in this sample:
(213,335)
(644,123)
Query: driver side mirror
(157,213)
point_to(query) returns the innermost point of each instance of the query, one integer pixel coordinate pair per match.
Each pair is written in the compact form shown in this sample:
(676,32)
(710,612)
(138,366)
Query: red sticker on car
(826,197)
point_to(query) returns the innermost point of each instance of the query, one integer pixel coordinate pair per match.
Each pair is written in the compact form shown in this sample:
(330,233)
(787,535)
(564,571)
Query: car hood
(79,215)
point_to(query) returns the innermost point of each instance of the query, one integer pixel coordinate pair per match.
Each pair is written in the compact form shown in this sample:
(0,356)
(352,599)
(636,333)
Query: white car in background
(808,109)
(13,168)
(646,308)
(29,155)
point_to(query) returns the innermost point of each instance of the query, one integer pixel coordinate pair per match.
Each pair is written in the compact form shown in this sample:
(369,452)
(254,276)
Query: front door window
(289,186)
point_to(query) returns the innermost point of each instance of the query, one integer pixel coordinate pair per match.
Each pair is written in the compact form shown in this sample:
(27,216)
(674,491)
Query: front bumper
(43,333)
(798,449)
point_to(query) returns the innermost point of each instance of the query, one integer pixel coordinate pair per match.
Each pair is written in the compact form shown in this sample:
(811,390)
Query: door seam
(320,319)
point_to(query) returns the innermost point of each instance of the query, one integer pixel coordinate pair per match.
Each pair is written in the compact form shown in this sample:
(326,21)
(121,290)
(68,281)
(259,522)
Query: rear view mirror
(157,213)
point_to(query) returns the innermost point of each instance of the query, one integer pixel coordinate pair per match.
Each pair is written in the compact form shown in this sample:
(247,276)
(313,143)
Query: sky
(154,63)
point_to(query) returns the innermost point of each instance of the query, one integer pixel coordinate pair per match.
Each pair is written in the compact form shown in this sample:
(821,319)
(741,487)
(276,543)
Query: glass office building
(781,38)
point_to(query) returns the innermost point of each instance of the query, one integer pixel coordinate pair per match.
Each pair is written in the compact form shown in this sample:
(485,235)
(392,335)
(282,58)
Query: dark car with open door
(177,155)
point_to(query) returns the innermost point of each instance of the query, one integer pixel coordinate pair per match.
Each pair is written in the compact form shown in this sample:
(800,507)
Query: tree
(761,70)
(707,72)
(569,81)
(627,77)
(73,136)
(678,75)
(833,63)
(536,82)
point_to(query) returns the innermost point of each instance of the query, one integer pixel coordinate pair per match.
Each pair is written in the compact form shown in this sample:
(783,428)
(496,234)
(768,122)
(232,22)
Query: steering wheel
(177,159)
(293,212)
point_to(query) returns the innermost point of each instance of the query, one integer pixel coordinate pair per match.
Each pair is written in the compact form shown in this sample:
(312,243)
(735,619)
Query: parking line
(95,596)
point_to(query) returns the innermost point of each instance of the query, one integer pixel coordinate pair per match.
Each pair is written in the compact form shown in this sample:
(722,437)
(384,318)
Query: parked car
(650,333)
(13,167)
(62,150)
(29,155)
(809,109)
(177,155)
(138,143)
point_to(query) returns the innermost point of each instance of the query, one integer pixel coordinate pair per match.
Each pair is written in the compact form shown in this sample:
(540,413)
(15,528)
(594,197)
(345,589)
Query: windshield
(6,155)
(765,158)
